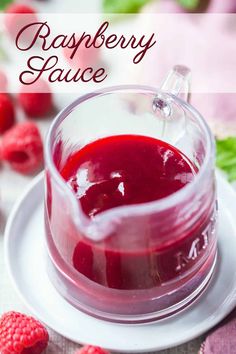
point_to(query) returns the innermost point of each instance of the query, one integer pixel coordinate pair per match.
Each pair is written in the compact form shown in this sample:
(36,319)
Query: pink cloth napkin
(223,339)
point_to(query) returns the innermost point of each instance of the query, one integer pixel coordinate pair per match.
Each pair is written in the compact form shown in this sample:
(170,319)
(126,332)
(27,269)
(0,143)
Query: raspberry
(14,23)
(22,147)
(90,349)
(21,334)
(19,9)
(7,112)
(37,103)
(84,58)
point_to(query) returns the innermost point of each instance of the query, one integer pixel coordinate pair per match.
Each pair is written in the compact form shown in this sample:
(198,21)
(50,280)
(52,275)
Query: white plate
(26,261)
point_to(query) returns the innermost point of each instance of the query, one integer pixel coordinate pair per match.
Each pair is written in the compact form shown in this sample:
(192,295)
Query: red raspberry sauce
(123,170)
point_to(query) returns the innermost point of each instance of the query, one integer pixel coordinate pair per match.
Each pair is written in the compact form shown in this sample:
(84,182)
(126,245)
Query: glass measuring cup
(140,262)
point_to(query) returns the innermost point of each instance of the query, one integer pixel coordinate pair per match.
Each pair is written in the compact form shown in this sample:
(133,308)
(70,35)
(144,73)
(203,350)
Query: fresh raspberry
(90,349)
(21,334)
(3,81)
(84,57)
(22,148)
(38,102)
(19,9)
(14,23)
(7,112)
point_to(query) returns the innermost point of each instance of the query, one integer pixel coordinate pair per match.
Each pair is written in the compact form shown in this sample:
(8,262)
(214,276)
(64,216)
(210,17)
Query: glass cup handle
(177,82)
